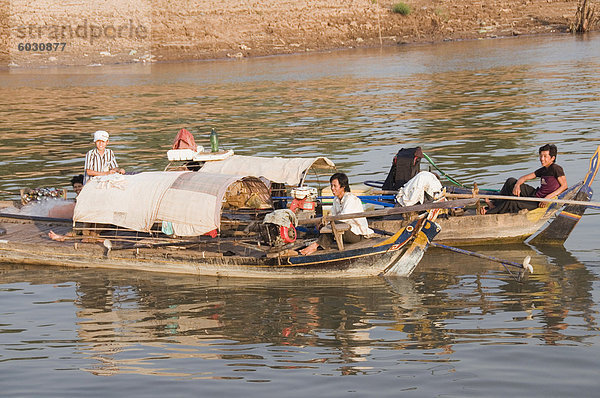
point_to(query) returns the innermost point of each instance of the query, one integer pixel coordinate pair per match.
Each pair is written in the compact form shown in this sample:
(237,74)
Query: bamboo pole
(35,218)
(523,198)
(394,210)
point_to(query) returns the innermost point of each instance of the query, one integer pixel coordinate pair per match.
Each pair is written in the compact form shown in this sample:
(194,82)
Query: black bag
(406,165)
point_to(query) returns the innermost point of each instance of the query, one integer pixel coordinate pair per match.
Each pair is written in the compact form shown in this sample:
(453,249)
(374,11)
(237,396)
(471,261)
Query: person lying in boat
(100,161)
(344,202)
(66,211)
(552,183)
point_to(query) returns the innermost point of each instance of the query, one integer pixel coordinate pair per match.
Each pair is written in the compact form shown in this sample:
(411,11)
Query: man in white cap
(100,161)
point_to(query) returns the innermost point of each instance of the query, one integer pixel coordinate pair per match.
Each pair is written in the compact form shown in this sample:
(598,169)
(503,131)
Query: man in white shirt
(344,202)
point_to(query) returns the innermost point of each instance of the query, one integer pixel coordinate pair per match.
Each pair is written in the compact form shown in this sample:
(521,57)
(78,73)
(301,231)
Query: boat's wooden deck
(32,232)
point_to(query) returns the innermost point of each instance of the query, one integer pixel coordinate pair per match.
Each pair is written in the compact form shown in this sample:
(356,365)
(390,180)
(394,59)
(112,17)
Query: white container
(208,156)
(183,154)
(304,192)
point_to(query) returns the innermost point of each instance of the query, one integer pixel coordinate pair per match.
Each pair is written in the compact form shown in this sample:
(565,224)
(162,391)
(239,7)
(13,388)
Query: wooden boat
(460,227)
(130,244)
(27,243)
(549,225)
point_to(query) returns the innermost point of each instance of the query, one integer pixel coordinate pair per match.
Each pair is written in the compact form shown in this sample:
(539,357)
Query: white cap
(100,135)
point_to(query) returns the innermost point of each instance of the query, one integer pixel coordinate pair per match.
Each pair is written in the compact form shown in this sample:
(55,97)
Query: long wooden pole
(523,198)
(35,218)
(525,265)
(394,210)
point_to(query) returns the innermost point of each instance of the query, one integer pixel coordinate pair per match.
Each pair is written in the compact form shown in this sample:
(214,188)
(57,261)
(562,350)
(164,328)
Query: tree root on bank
(585,17)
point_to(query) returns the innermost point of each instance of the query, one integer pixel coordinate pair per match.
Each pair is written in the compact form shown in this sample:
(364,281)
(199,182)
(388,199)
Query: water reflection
(560,289)
(162,325)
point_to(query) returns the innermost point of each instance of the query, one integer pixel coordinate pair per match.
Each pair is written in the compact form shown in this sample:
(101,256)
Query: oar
(524,266)
(523,198)
(152,245)
(396,210)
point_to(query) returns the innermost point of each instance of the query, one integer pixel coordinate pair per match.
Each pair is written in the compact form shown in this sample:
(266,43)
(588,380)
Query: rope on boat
(452,180)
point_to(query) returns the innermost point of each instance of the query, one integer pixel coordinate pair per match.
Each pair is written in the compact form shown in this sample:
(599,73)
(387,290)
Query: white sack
(413,191)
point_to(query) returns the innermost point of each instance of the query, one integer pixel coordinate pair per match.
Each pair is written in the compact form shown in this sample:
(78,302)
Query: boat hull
(478,230)
(370,260)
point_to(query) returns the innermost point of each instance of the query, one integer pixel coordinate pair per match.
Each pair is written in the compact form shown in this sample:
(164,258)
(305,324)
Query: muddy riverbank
(169,30)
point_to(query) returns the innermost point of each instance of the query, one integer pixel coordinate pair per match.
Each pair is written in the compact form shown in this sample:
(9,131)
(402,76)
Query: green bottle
(214,141)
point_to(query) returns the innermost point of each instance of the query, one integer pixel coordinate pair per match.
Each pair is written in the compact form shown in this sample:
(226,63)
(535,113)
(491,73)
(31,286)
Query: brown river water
(459,326)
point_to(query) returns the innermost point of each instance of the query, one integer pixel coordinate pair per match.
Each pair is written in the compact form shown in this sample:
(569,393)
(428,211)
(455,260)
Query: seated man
(344,202)
(552,183)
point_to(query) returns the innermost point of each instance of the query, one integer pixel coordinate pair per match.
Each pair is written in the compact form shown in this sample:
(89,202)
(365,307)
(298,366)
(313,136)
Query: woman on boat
(344,202)
(552,183)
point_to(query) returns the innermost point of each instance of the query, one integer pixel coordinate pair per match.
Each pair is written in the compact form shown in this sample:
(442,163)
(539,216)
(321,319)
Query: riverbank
(174,30)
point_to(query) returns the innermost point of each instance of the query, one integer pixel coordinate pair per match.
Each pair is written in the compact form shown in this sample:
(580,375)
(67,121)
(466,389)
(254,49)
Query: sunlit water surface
(460,326)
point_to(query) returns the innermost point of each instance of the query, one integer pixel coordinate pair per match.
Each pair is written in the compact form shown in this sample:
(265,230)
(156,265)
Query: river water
(459,326)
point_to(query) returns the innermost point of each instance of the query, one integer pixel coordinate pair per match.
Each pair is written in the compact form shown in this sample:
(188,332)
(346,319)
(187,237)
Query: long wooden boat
(549,225)
(25,238)
(26,242)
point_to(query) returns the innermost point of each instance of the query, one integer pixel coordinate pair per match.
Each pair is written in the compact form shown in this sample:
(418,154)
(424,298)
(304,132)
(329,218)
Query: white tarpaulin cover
(190,201)
(281,170)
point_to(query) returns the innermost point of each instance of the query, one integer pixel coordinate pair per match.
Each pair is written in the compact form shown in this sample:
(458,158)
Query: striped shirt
(95,161)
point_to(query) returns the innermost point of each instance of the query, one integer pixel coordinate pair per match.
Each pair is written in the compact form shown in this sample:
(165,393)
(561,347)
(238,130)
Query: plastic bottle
(214,141)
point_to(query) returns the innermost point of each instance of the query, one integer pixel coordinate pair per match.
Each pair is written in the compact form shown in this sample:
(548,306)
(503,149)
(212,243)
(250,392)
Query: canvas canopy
(289,171)
(191,202)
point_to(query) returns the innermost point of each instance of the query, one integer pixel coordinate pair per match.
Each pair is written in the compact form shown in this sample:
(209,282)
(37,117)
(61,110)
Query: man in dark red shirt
(552,183)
